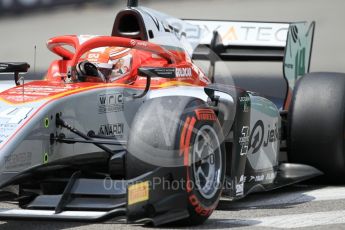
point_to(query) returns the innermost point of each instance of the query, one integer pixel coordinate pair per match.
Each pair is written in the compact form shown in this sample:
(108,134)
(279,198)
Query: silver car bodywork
(88,128)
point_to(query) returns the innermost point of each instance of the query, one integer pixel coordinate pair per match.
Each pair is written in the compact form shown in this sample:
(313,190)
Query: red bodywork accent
(124,42)
(145,54)
(51,90)
(56,46)
(288,99)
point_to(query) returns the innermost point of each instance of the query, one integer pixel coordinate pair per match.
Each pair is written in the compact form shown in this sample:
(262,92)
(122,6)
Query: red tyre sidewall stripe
(185,148)
(187,142)
(183,136)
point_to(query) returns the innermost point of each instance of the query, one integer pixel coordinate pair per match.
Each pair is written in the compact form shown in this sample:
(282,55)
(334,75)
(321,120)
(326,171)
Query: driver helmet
(112,62)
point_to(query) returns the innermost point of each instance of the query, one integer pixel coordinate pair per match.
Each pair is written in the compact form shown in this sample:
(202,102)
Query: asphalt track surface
(300,206)
(295,207)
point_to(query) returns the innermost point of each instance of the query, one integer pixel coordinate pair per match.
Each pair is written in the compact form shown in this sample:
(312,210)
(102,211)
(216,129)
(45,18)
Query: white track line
(295,197)
(327,193)
(293,221)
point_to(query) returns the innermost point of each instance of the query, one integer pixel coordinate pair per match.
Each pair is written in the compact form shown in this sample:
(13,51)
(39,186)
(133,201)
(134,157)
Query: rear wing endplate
(298,51)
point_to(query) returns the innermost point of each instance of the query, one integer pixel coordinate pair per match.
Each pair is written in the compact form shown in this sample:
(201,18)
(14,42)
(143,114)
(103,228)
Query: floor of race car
(299,206)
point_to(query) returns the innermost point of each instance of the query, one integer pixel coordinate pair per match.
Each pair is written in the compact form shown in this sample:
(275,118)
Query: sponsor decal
(33,92)
(238,33)
(197,206)
(271,176)
(240,186)
(112,130)
(6,130)
(258,139)
(132,42)
(272,135)
(260,33)
(261,177)
(231,34)
(138,43)
(93,57)
(205,115)
(138,193)
(184,72)
(14,115)
(244,140)
(110,103)
(257,178)
(245,103)
(18,160)
(141,43)
(10,118)
(257,136)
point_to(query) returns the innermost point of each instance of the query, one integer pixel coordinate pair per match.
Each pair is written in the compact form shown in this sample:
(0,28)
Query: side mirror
(157,72)
(15,68)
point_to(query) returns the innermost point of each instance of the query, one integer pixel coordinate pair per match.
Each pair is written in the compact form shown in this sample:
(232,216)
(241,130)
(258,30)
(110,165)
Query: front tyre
(201,141)
(181,133)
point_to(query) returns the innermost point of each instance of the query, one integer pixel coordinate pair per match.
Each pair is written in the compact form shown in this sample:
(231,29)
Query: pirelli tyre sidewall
(316,124)
(184,119)
(200,123)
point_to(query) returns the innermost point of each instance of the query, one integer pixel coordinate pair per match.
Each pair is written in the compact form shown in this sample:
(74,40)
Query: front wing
(138,200)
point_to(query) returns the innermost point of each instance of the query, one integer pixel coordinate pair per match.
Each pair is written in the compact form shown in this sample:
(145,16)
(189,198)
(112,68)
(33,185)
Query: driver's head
(113,62)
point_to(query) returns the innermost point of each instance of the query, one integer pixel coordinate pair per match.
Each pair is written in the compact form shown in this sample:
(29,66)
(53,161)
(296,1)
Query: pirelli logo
(205,115)
(138,193)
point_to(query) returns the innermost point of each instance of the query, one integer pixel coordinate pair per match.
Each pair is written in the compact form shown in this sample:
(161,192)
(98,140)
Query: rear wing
(236,40)
(290,43)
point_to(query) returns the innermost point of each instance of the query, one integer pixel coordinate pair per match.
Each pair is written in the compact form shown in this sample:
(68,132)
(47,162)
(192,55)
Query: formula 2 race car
(128,126)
